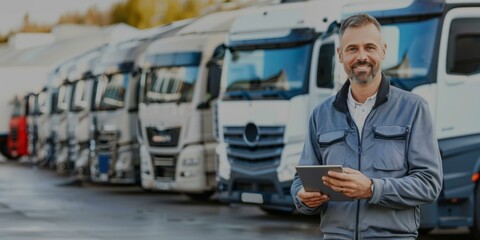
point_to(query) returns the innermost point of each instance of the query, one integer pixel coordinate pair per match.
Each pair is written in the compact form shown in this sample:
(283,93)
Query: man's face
(361,52)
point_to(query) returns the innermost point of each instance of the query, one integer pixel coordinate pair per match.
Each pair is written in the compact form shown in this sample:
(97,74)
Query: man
(384,139)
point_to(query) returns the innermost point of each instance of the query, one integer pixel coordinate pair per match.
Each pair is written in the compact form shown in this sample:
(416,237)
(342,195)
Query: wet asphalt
(35,203)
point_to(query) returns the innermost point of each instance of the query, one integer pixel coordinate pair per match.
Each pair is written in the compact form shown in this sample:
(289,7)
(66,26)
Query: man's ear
(384,49)
(339,53)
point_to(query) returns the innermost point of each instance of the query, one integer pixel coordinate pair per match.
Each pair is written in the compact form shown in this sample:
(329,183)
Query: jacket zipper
(357,218)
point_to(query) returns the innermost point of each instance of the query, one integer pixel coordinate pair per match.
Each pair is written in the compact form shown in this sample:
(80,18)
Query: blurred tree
(119,13)
(172,11)
(191,9)
(71,18)
(137,13)
(97,17)
(28,26)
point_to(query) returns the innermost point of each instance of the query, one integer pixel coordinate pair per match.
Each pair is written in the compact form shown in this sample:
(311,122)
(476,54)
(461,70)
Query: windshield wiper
(240,94)
(275,94)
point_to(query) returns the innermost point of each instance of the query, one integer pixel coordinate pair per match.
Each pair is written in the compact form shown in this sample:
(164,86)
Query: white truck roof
(278,20)
(216,22)
(193,36)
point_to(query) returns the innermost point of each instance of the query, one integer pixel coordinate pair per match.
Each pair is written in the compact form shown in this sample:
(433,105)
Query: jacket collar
(341,99)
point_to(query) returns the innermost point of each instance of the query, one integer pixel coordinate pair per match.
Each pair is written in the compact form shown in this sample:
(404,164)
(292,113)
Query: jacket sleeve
(310,156)
(423,181)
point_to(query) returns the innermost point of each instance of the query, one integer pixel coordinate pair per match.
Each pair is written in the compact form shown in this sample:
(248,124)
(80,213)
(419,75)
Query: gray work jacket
(398,151)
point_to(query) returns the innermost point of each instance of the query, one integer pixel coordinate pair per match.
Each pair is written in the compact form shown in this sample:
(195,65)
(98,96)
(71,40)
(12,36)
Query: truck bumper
(258,191)
(190,171)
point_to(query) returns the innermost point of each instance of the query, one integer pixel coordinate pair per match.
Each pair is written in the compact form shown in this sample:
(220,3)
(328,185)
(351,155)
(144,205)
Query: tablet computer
(311,176)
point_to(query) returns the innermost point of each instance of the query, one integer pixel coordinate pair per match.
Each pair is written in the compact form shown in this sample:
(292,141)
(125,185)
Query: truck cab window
(463,55)
(325,66)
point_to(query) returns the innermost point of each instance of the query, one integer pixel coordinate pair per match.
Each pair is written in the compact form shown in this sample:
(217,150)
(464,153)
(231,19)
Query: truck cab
(59,128)
(114,146)
(17,141)
(181,76)
(58,118)
(277,69)
(46,118)
(78,124)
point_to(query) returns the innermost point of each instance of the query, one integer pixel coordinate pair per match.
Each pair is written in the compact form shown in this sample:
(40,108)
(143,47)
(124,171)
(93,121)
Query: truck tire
(475,229)
(4,150)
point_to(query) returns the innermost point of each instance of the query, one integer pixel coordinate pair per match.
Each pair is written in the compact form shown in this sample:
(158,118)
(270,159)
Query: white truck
(180,80)
(277,70)
(114,147)
(57,120)
(78,122)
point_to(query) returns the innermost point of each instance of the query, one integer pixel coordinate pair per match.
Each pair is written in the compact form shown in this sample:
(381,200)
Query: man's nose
(362,55)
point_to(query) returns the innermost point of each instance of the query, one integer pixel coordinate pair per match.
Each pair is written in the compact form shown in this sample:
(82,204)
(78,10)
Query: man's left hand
(351,183)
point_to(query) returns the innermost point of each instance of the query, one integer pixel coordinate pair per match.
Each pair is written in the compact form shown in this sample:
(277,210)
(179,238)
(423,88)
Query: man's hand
(351,183)
(311,199)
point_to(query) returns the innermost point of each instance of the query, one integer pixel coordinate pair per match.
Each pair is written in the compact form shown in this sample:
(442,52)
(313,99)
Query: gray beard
(366,80)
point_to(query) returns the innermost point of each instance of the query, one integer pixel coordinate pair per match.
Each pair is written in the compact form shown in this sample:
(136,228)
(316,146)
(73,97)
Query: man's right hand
(312,199)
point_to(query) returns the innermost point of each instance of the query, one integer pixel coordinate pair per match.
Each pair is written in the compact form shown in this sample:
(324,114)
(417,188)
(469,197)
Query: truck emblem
(251,134)
(161,138)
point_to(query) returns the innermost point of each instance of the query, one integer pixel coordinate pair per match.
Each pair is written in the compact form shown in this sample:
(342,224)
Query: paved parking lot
(37,204)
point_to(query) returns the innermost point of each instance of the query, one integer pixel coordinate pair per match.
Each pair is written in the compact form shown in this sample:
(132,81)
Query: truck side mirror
(214,76)
(213,83)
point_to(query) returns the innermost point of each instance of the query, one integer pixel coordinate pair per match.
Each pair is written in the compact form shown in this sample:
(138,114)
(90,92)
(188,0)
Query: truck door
(325,71)
(459,74)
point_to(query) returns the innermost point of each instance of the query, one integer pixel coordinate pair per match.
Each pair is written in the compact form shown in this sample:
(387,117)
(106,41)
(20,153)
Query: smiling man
(382,136)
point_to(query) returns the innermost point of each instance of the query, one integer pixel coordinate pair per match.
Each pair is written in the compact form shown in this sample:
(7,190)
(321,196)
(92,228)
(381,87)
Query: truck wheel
(475,229)
(200,196)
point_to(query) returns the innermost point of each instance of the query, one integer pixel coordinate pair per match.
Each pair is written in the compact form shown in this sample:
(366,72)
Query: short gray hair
(358,20)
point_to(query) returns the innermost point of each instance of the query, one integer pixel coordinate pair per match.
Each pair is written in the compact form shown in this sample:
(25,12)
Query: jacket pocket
(332,146)
(384,221)
(391,148)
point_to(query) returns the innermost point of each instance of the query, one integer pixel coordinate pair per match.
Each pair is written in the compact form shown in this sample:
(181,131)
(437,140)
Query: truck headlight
(190,161)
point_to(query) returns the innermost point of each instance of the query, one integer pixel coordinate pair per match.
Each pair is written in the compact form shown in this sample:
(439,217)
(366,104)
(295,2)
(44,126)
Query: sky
(43,11)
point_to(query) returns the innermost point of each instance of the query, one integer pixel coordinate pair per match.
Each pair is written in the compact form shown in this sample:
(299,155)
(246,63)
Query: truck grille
(164,167)
(107,146)
(265,152)
(14,133)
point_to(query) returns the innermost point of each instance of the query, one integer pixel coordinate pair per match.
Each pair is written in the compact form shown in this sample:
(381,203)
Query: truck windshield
(111,91)
(410,49)
(79,95)
(170,84)
(276,73)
